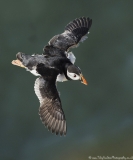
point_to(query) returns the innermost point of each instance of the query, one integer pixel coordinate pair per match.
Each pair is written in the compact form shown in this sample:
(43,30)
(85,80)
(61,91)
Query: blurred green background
(100,115)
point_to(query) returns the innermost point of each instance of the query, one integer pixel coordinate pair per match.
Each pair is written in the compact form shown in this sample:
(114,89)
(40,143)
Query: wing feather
(73,34)
(50,109)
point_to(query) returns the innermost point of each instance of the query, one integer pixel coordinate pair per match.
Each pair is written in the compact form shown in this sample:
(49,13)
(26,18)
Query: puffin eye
(74,75)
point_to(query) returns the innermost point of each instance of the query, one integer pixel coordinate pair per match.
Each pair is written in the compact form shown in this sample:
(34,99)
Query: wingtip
(55,123)
(79,27)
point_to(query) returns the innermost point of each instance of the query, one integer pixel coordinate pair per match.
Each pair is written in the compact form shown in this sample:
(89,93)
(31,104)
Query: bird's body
(55,64)
(53,58)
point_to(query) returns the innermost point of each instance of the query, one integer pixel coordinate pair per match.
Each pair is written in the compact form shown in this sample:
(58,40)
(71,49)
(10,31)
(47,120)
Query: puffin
(56,63)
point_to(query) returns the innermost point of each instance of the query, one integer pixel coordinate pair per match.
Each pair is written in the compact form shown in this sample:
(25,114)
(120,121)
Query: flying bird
(55,64)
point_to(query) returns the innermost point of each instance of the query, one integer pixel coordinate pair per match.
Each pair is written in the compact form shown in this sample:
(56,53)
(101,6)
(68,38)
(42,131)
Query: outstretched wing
(79,27)
(50,109)
(74,32)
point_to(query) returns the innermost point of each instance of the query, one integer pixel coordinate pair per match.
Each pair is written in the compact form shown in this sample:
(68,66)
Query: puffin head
(74,73)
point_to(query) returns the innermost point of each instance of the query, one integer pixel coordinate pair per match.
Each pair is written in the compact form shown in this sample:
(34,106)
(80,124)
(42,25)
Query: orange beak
(18,63)
(83,80)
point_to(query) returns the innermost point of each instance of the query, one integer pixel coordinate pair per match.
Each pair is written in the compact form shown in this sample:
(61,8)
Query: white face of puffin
(74,73)
(73,76)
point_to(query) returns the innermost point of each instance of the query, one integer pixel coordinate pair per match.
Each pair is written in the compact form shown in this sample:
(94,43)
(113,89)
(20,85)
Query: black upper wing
(50,109)
(74,32)
(79,27)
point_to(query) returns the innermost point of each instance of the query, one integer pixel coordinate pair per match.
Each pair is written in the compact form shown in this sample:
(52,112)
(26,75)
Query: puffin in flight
(55,64)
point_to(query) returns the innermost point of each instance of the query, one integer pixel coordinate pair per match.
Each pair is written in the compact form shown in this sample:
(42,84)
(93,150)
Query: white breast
(61,78)
(72,58)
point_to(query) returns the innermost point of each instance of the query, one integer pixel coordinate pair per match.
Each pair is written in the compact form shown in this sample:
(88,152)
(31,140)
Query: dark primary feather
(79,27)
(72,35)
(50,109)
